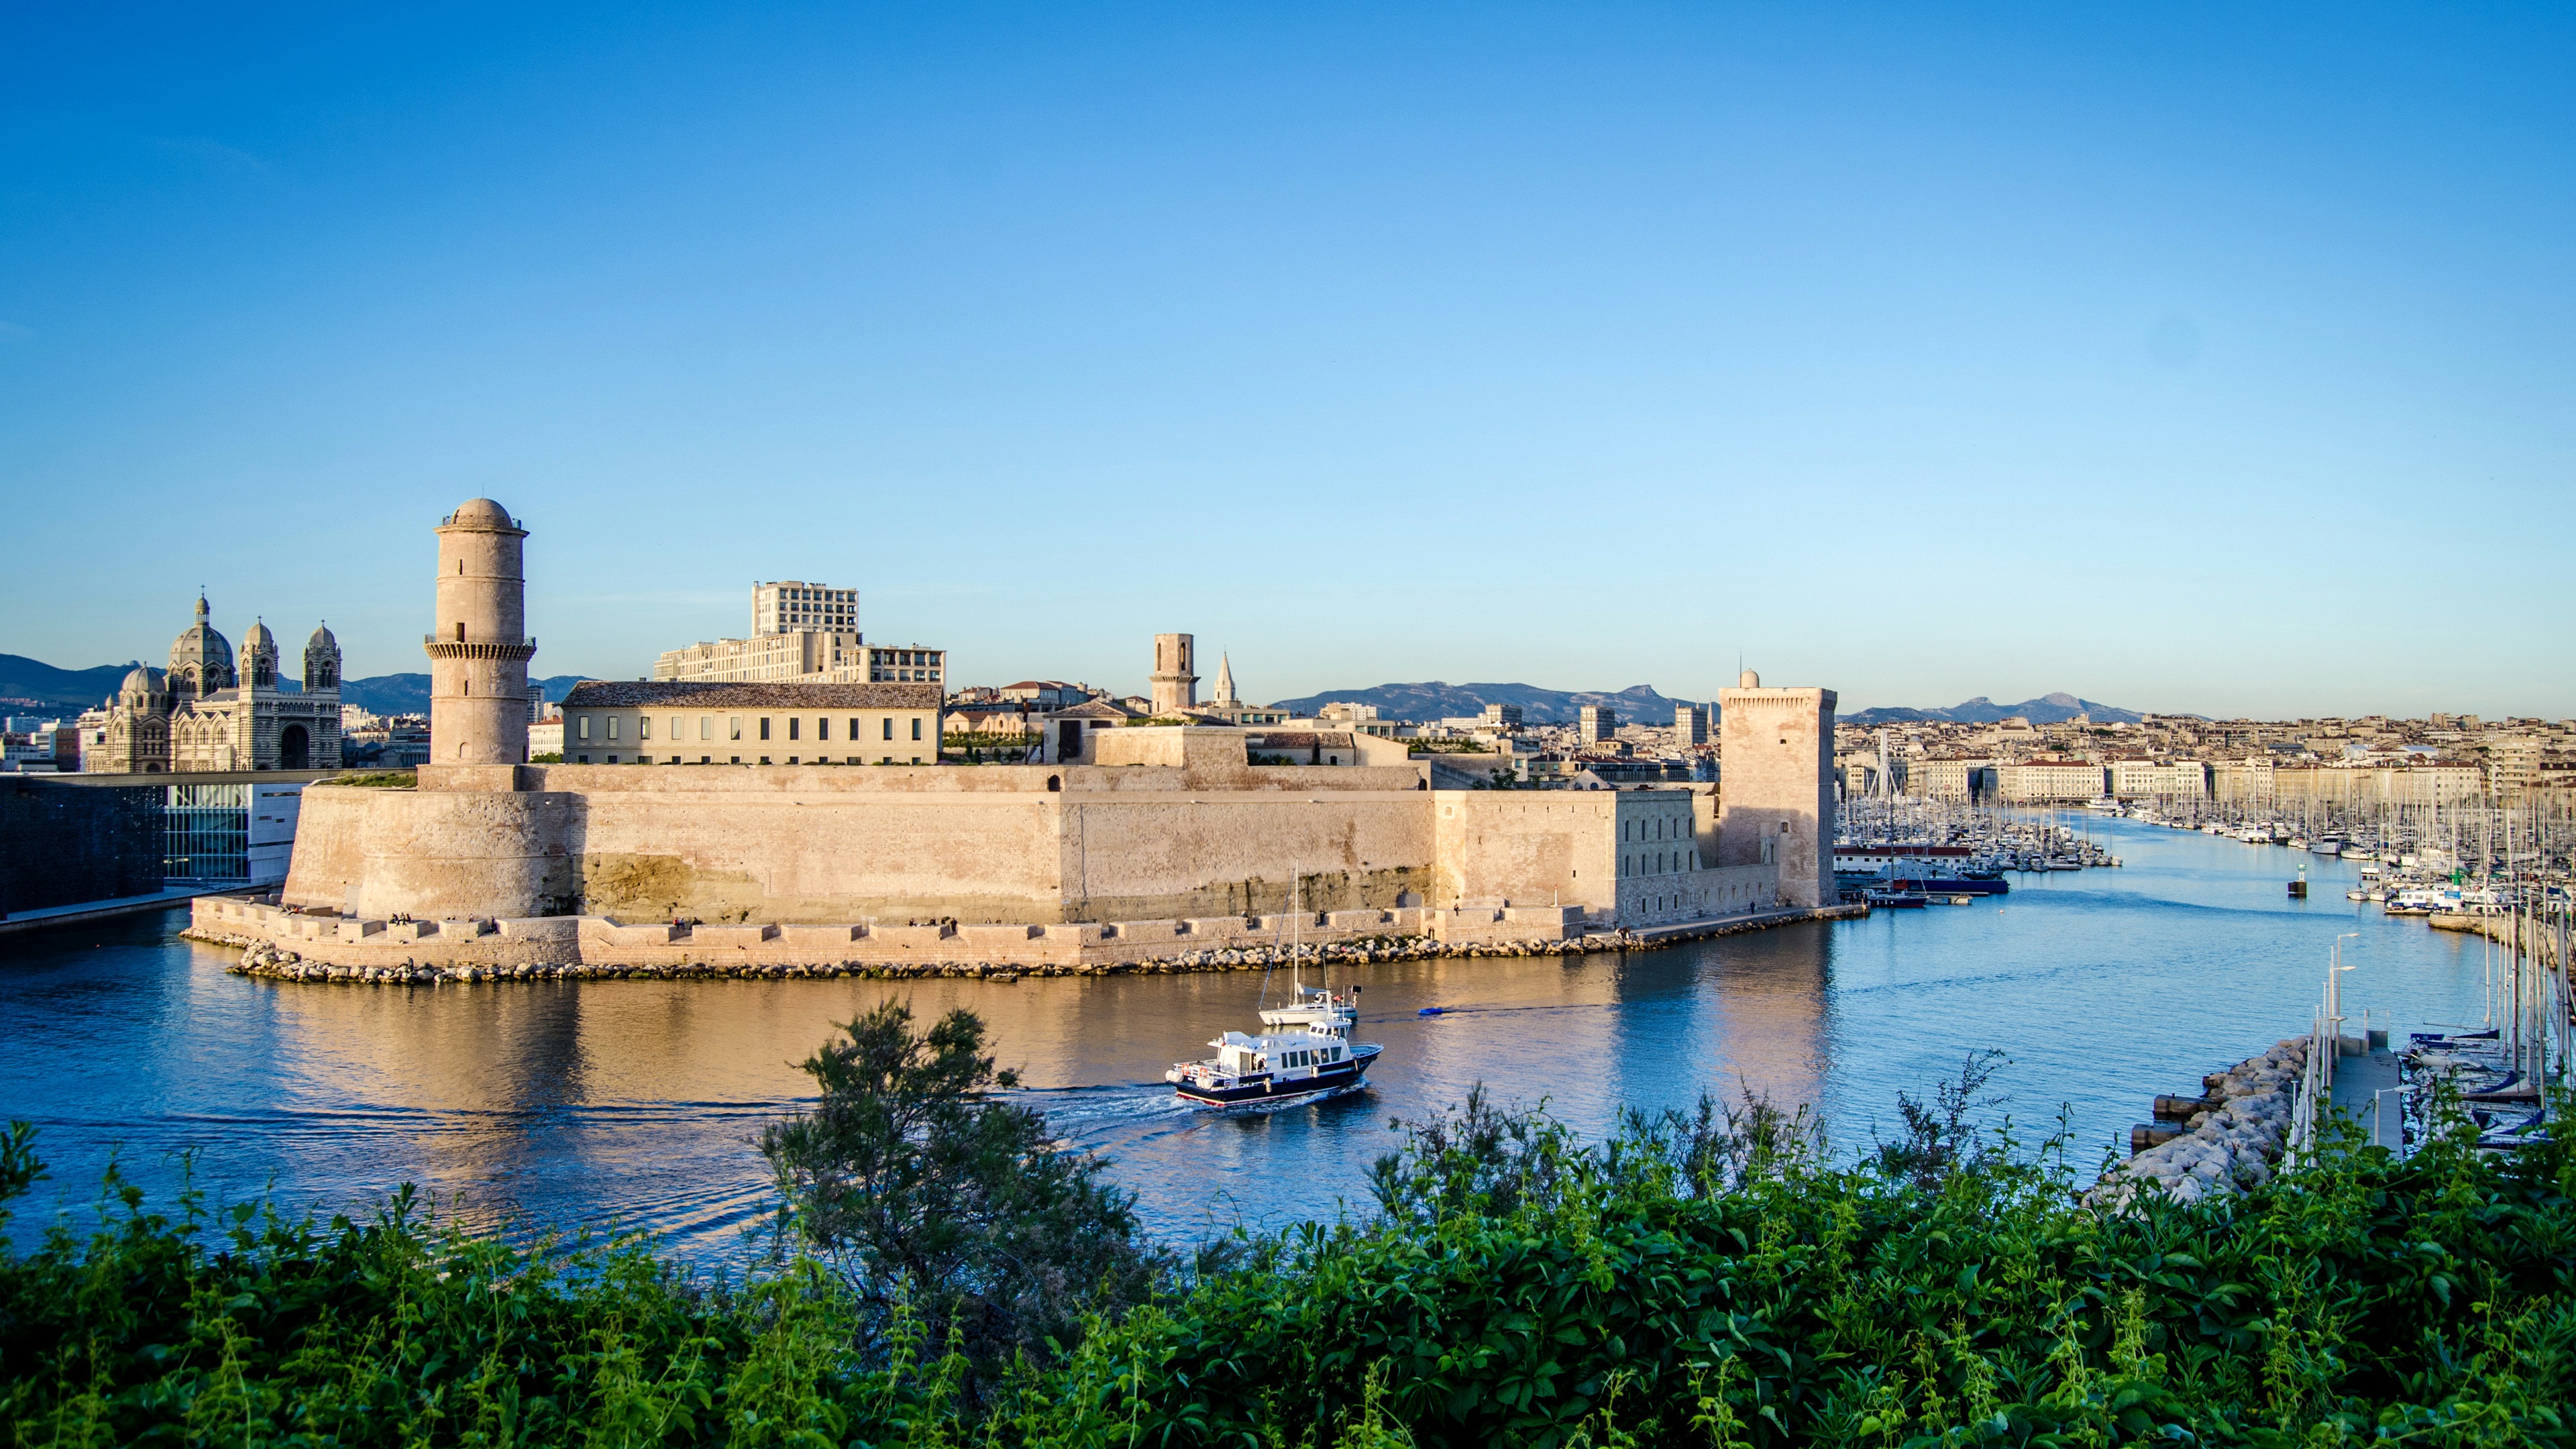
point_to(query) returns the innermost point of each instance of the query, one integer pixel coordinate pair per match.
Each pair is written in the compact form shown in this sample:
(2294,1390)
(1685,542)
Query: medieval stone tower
(1775,778)
(1176,680)
(478,658)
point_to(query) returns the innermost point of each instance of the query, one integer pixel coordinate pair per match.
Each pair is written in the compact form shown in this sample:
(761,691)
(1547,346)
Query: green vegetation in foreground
(1709,1279)
(378,779)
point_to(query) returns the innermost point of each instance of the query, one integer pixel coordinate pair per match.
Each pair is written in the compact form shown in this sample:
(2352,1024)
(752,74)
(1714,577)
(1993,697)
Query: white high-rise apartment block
(802,632)
(793,604)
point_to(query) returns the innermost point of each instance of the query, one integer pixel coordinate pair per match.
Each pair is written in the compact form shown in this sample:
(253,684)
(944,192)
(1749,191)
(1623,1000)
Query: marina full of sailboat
(2464,858)
(2498,870)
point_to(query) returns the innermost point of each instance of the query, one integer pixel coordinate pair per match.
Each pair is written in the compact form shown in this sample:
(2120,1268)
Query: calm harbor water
(635,1103)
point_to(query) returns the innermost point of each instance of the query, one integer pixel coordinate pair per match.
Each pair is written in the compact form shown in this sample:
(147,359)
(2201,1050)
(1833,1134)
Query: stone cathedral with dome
(206,713)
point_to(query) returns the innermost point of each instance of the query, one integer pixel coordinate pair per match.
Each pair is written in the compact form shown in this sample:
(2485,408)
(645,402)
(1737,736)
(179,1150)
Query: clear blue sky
(2183,357)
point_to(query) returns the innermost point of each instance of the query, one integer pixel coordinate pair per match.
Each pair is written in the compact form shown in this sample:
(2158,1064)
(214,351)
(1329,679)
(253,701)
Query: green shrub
(1714,1277)
(918,1185)
(243,1329)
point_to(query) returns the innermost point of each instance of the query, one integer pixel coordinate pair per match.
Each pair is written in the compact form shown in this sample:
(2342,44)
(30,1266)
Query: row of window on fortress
(613,726)
(678,729)
(1655,827)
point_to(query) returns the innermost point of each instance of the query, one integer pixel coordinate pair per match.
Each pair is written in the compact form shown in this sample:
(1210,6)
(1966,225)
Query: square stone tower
(1176,680)
(1775,758)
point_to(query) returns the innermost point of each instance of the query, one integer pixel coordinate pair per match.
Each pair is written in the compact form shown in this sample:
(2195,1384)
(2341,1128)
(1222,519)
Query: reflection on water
(637,1103)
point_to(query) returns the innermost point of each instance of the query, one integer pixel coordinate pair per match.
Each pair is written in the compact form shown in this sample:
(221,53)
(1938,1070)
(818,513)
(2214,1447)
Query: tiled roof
(656,694)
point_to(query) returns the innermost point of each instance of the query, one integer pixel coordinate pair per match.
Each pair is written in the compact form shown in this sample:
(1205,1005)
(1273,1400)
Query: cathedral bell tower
(478,658)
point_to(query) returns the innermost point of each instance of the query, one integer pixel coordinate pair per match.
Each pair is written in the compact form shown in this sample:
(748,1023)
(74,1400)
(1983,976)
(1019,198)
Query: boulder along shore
(269,961)
(2226,1148)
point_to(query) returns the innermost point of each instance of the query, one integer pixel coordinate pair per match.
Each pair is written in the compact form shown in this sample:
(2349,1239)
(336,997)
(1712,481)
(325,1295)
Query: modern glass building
(207,830)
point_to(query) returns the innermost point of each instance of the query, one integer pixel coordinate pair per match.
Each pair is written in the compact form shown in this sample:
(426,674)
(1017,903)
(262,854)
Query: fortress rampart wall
(813,844)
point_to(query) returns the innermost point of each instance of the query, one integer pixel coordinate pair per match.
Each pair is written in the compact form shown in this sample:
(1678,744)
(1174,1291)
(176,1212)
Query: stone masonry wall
(819,844)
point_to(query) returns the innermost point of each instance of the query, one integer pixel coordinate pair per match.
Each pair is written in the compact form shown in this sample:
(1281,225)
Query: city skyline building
(802,633)
(790,604)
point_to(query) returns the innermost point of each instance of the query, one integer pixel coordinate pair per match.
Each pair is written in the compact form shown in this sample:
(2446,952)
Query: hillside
(409,693)
(1637,704)
(2047,709)
(35,687)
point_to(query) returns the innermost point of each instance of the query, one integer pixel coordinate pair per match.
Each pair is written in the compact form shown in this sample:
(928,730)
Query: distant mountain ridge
(409,693)
(2047,709)
(69,691)
(1637,704)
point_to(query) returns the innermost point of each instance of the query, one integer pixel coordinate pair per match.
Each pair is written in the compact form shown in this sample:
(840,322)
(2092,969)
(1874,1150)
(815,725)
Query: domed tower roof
(321,661)
(259,656)
(1748,680)
(140,680)
(480,513)
(200,658)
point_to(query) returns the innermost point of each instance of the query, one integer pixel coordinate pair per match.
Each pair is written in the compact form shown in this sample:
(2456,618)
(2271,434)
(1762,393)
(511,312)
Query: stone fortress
(206,715)
(1157,839)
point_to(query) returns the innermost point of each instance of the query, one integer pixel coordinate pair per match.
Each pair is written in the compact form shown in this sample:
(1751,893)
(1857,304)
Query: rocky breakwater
(270,961)
(2228,1143)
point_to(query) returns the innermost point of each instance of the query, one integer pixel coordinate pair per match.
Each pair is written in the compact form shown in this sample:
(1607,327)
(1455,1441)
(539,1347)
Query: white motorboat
(1304,1053)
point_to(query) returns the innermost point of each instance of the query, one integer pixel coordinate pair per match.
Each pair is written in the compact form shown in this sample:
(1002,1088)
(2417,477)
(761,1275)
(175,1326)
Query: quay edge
(284,944)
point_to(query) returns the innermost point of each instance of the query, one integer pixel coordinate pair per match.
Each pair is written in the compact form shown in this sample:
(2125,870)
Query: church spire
(1224,681)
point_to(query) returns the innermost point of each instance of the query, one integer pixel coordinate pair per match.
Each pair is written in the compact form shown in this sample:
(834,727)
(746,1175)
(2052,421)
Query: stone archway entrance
(294,748)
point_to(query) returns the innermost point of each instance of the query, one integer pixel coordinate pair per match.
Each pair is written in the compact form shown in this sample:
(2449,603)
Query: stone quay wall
(575,940)
(283,944)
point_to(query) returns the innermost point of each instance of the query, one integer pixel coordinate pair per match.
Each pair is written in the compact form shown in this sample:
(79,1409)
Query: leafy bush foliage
(918,1185)
(1703,1278)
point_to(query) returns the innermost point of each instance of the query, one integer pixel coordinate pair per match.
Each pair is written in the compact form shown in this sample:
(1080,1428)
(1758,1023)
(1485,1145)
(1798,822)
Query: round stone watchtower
(478,658)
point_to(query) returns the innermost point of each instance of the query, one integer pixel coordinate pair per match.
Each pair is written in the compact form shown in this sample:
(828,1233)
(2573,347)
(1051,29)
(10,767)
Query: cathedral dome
(482,512)
(201,659)
(322,639)
(139,680)
(259,637)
